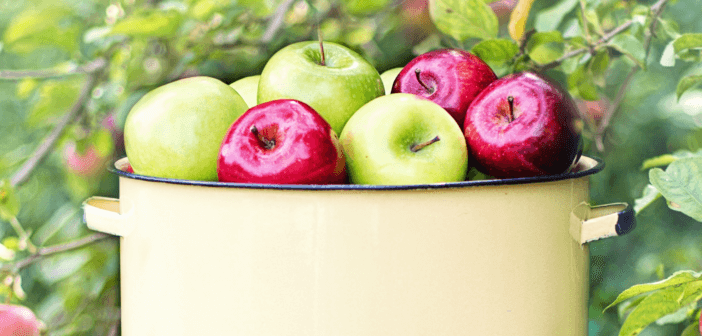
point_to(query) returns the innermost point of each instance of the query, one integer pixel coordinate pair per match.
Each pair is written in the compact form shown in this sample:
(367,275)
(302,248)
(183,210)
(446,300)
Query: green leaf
(60,266)
(679,316)
(687,41)
(670,27)
(35,28)
(545,47)
(462,19)
(676,279)
(660,304)
(658,161)
(9,202)
(631,46)
(549,19)
(496,53)
(692,329)
(681,185)
(159,24)
(650,194)
(687,83)
(55,98)
(594,20)
(598,66)
(581,84)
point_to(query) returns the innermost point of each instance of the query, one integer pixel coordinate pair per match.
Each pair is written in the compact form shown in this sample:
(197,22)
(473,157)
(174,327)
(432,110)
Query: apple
(18,321)
(449,77)
(247,87)
(388,78)
(88,163)
(175,130)
(335,88)
(401,138)
(594,110)
(523,125)
(283,141)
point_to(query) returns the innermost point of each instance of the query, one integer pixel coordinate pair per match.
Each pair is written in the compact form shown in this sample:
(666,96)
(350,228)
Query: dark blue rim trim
(626,221)
(522,180)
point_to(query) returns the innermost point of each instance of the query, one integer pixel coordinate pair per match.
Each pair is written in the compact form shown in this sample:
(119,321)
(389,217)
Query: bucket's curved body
(479,259)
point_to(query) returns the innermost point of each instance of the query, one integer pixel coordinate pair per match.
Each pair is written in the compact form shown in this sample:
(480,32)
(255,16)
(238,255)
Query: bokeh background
(74,68)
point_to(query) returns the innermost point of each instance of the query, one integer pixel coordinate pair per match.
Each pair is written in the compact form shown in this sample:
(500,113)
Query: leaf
(594,20)
(598,66)
(545,47)
(518,19)
(659,304)
(676,279)
(35,28)
(650,194)
(55,97)
(692,329)
(668,56)
(9,202)
(496,53)
(678,317)
(658,161)
(631,46)
(550,18)
(670,27)
(157,23)
(60,266)
(687,41)
(462,19)
(681,185)
(581,84)
(687,83)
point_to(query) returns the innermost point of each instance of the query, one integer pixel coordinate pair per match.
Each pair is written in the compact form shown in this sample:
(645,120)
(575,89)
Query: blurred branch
(276,21)
(54,249)
(87,68)
(656,11)
(44,148)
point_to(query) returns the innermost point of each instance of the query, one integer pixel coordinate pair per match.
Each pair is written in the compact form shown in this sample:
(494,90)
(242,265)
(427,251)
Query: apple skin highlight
(537,135)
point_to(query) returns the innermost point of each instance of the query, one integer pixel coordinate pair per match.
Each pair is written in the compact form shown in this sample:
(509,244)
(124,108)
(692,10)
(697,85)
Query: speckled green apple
(335,90)
(401,139)
(175,130)
(247,87)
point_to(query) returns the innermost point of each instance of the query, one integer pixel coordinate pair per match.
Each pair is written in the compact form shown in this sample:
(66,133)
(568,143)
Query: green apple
(404,139)
(247,87)
(175,130)
(335,90)
(388,78)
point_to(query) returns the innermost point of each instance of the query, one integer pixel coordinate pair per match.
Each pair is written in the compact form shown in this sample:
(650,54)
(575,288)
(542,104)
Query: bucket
(488,257)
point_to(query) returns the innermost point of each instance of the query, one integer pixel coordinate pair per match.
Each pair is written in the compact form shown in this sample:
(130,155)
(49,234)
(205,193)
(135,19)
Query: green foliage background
(125,48)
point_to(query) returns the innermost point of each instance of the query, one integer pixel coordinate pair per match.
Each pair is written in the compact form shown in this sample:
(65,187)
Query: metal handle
(103,214)
(592,223)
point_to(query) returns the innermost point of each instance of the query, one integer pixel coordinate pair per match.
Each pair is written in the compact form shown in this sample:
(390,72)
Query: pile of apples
(446,111)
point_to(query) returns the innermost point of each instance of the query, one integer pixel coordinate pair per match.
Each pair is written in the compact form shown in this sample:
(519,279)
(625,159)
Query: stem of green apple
(424,85)
(322,61)
(417,147)
(267,143)
(510,100)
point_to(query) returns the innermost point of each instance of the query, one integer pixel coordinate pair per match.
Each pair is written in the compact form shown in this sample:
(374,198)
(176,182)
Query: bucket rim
(586,165)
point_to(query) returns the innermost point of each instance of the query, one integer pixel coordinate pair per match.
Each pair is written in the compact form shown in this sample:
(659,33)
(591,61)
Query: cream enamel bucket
(492,257)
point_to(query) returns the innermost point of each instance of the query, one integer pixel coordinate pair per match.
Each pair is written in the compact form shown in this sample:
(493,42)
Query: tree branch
(54,249)
(276,21)
(25,171)
(87,68)
(656,11)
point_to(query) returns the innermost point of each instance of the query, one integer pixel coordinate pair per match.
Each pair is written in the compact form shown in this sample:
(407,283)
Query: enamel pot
(490,257)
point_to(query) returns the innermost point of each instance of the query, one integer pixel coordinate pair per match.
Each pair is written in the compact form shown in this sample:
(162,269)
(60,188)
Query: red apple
(88,163)
(523,125)
(283,141)
(451,78)
(18,321)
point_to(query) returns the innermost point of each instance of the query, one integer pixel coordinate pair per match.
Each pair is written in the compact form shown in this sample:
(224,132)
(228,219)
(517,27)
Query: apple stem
(424,85)
(510,100)
(417,147)
(267,143)
(322,61)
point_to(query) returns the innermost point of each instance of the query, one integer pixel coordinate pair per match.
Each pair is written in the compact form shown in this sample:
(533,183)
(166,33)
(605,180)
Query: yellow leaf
(518,19)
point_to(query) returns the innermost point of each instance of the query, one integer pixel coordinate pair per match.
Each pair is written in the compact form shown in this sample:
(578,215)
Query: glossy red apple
(18,321)
(283,141)
(523,125)
(451,78)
